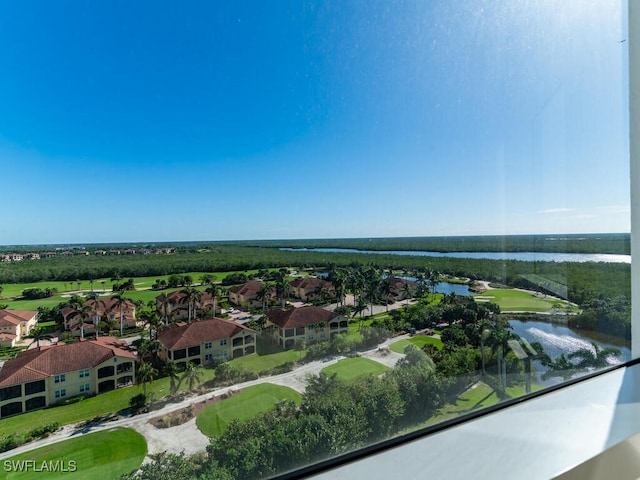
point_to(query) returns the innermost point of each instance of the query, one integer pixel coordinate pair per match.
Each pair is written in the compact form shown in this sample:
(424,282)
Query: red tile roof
(300,317)
(179,297)
(311,283)
(198,332)
(247,289)
(14,317)
(37,364)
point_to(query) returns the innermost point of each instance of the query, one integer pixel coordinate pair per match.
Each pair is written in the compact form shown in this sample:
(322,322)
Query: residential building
(15,325)
(179,304)
(40,377)
(246,295)
(309,323)
(398,289)
(102,309)
(201,341)
(311,288)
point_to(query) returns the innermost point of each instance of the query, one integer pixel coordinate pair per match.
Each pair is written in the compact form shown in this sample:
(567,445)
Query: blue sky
(157,121)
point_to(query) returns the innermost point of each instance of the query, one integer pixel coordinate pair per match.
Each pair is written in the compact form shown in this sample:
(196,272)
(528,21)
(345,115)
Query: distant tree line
(585,282)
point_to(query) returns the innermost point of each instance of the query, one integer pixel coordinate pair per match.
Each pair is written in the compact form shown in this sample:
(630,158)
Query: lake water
(447,288)
(522,256)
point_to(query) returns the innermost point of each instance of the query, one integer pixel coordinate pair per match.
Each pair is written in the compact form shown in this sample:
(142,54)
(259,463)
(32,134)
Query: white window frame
(61,378)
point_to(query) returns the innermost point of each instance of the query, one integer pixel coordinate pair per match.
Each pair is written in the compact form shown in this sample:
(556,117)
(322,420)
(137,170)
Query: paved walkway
(187,437)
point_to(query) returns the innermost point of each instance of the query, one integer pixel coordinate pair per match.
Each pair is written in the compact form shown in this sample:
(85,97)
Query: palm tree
(191,374)
(339,280)
(320,292)
(385,287)
(191,297)
(433,278)
(164,306)
(104,288)
(121,301)
(264,295)
(82,310)
(283,290)
(37,334)
(96,314)
(152,320)
(406,291)
(171,369)
(207,279)
(146,374)
(215,291)
(596,358)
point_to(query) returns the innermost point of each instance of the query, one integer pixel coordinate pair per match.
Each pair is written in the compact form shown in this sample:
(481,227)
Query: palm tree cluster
(371,285)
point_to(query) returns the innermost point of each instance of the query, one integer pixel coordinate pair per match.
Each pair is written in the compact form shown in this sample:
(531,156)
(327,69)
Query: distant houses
(311,288)
(16,325)
(18,257)
(100,310)
(177,304)
(310,324)
(201,341)
(40,377)
(246,295)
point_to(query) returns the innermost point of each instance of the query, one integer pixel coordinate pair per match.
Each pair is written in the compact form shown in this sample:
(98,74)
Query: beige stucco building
(15,325)
(40,377)
(201,341)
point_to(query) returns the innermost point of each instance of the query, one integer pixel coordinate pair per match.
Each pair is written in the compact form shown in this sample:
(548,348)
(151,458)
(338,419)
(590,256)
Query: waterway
(522,256)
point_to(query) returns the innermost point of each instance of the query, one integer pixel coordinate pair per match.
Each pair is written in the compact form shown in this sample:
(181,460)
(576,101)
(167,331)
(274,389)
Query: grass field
(89,408)
(258,363)
(349,369)
(419,341)
(251,401)
(101,455)
(511,300)
(65,289)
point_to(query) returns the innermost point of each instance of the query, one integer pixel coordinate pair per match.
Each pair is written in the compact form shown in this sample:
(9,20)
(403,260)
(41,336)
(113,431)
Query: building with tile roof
(178,308)
(246,295)
(39,377)
(309,323)
(311,288)
(16,325)
(106,309)
(201,341)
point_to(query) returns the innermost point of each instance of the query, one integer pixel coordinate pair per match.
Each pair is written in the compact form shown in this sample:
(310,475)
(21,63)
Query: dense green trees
(601,289)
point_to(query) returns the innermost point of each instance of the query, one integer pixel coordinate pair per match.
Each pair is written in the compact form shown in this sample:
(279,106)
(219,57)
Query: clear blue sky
(140,121)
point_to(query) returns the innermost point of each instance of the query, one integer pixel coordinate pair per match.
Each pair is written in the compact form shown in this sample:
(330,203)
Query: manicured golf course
(419,341)
(96,456)
(251,401)
(512,300)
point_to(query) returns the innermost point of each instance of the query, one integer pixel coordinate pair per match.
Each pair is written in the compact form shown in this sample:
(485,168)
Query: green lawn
(511,300)
(349,369)
(101,455)
(257,363)
(419,341)
(251,401)
(102,404)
